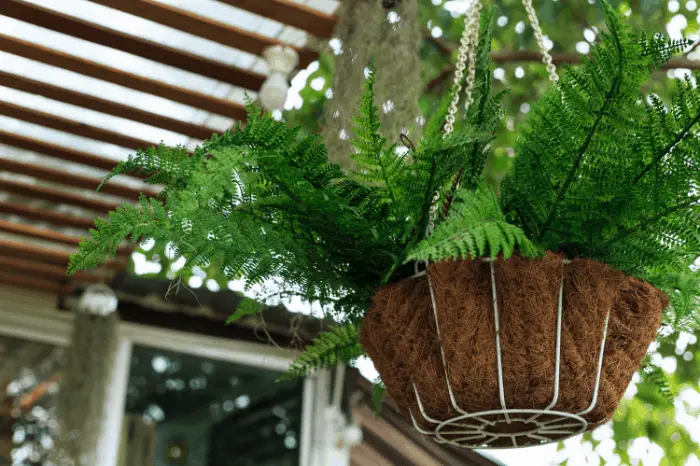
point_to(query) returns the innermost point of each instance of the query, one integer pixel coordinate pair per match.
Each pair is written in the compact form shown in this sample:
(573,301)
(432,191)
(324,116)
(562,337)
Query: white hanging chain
(467,51)
(465,57)
(546,56)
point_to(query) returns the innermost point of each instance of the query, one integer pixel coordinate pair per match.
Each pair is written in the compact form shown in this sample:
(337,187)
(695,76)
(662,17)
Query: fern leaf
(247,307)
(475,227)
(341,344)
(378,395)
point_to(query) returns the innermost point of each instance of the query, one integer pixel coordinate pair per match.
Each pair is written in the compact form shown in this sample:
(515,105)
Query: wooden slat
(394,440)
(22,229)
(95,70)
(46,215)
(71,126)
(102,105)
(30,251)
(34,283)
(53,150)
(45,271)
(290,13)
(72,179)
(204,27)
(364,454)
(42,254)
(57,196)
(65,24)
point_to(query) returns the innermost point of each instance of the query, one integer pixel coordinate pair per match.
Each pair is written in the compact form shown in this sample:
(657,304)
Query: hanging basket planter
(511,353)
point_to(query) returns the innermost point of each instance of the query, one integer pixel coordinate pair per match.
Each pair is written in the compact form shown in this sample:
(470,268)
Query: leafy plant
(606,172)
(602,171)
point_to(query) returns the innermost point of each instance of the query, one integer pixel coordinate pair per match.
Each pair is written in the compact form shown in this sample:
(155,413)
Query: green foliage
(605,172)
(602,171)
(340,344)
(656,378)
(474,227)
(247,307)
(264,202)
(378,395)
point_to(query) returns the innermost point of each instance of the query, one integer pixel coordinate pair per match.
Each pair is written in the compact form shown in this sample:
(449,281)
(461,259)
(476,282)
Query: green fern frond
(247,307)
(475,227)
(656,377)
(605,172)
(341,344)
(378,395)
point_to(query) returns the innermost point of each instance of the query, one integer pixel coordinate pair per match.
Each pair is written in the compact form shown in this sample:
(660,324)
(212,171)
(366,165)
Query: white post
(327,436)
(114,402)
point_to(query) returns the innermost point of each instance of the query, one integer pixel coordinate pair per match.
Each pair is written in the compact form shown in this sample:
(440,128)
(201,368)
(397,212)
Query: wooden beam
(558,58)
(44,271)
(72,179)
(42,254)
(394,445)
(30,251)
(34,191)
(71,126)
(364,454)
(53,150)
(104,106)
(20,281)
(75,27)
(46,215)
(95,70)
(22,229)
(204,27)
(293,14)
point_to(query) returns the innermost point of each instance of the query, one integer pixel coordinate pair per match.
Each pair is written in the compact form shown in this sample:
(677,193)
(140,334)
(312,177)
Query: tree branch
(558,58)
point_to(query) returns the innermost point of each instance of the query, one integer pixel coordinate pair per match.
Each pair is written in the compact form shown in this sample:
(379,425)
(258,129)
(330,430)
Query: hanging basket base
(507,428)
(537,341)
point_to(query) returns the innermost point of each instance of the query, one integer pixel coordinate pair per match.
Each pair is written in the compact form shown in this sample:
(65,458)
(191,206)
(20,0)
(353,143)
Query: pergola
(85,83)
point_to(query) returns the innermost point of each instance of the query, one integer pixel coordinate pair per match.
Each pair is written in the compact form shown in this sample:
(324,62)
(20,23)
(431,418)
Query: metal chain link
(473,26)
(466,56)
(466,52)
(546,57)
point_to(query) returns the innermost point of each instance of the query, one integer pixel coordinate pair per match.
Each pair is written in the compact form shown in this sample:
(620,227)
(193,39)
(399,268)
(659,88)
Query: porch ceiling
(83,83)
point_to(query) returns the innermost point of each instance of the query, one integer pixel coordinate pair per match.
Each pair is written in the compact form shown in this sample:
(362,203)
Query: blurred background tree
(647,429)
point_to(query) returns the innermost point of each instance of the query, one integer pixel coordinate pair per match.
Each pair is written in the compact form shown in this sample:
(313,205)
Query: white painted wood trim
(241,352)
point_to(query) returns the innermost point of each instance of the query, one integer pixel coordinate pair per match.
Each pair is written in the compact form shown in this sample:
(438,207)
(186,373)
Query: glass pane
(29,379)
(187,410)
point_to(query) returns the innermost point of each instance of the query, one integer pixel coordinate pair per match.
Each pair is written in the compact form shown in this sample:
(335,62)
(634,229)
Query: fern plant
(602,171)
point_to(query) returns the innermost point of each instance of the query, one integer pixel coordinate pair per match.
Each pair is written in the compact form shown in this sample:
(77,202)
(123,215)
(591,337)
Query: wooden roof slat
(23,266)
(22,229)
(207,28)
(71,126)
(46,215)
(53,150)
(42,254)
(71,179)
(65,24)
(31,251)
(57,196)
(104,106)
(95,70)
(290,13)
(48,286)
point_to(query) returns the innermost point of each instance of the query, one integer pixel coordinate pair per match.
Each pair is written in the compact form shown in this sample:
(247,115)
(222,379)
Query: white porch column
(90,401)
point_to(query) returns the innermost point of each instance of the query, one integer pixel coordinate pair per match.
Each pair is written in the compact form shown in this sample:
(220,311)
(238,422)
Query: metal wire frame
(527,426)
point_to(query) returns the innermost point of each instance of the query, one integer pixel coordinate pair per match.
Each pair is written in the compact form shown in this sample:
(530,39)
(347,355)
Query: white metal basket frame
(474,427)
